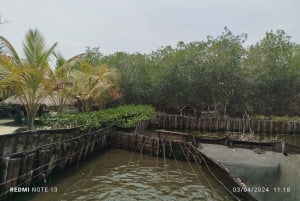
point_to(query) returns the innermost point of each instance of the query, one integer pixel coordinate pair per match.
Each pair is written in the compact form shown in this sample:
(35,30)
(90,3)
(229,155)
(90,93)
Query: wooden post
(194,123)
(267,126)
(152,146)
(271,127)
(198,123)
(12,173)
(52,156)
(164,121)
(184,122)
(181,121)
(297,130)
(26,141)
(247,125)
(53,137)
(15,143)
(206,124)
(283,127)
(43,157)
(81,147)
(233,127)
(2,144)
(159,121)
(45,140)
(294,127)
(37,140)
(3,175)
(227,124)
(170,149)
(241,124)
(210,124)
(275,127)
(75,149)
(258,126)
(287,127)
(87,145)
(263,126)
(93,144)
(26,169)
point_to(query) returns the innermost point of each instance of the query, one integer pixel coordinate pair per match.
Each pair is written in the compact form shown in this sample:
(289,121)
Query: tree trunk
(30,123)
(86,105)
(31,112)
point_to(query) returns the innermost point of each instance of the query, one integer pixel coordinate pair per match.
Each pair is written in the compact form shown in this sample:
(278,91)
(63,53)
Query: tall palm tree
(28,78)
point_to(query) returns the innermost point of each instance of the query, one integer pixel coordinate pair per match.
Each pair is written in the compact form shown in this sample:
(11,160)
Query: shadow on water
(123,175)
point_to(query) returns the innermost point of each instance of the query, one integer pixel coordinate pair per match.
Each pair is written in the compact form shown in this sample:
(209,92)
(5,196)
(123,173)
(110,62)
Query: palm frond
(11,50)
(35,49)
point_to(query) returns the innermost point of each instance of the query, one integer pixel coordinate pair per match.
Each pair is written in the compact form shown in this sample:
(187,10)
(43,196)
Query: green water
(123,175)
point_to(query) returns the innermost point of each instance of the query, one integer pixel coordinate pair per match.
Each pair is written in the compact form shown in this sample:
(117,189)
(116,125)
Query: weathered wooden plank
(12,173)
(26,168)
(2,144)
(15,143)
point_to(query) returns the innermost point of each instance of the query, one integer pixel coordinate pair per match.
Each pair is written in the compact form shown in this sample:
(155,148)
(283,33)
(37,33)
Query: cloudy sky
(143,25)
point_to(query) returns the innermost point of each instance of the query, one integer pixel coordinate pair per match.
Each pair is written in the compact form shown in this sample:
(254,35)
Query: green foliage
(93,56)
(91,82)
(271,65)
(219,73)
(123,116)
(26,78)
(201,74)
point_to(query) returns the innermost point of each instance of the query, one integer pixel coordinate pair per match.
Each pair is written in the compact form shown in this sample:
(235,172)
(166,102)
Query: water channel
(123,175)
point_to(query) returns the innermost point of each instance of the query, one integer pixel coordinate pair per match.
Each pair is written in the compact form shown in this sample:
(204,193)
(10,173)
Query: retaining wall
(28,158)
(169,121)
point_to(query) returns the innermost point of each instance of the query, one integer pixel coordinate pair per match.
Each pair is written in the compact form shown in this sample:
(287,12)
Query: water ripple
(121,175)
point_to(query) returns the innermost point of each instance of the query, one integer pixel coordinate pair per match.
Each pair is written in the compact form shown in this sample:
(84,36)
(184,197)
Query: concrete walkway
(275,171)
(7,127)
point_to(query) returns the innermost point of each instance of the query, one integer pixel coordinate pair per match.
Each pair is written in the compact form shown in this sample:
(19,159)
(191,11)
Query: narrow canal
(124,175)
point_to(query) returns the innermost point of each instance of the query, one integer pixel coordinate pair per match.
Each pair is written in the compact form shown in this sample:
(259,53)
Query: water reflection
(123,175)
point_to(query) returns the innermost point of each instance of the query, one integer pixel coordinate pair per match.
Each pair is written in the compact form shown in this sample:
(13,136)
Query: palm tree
(28,78)
(4,93)
(62,87)
(91,84)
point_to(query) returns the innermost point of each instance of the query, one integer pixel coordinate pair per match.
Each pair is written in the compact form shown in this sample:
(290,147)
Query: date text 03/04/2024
(34,189)
(261,189)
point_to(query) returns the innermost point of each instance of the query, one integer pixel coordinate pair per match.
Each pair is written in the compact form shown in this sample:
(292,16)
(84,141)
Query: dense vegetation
(219,73)
(78,80)
(123,116)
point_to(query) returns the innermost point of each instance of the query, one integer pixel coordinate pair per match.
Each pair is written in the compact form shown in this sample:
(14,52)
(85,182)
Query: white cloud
(143,26)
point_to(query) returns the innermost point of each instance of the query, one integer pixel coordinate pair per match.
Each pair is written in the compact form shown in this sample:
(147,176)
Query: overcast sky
(143,26)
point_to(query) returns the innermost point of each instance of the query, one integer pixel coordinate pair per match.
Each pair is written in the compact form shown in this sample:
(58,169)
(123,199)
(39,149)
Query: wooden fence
(168,121)
(28,158)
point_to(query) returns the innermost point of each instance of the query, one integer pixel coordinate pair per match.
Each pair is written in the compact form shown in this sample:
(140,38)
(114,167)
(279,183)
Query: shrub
(123,116)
